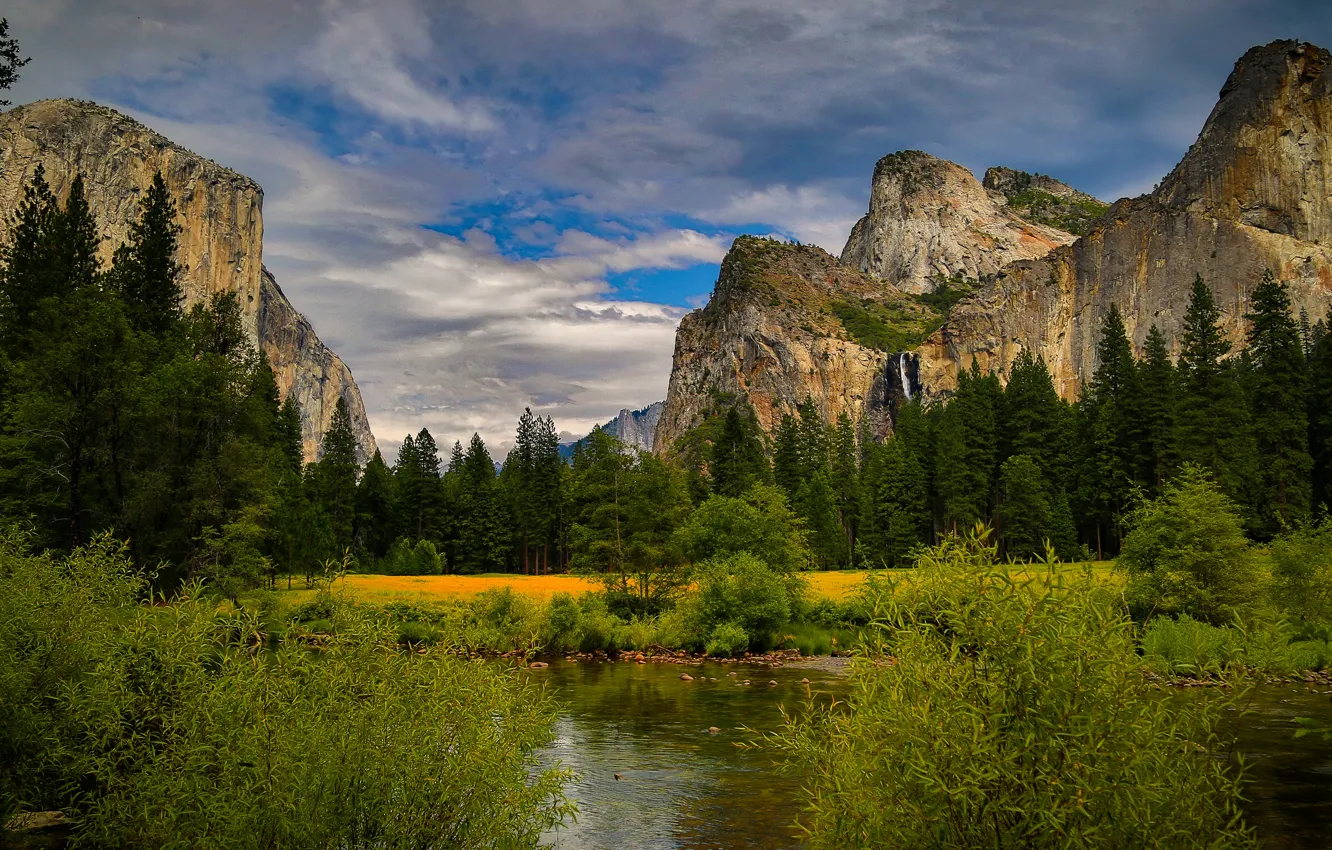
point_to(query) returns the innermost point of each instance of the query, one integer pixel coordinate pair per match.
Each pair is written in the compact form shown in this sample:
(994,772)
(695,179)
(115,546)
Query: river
(681,786)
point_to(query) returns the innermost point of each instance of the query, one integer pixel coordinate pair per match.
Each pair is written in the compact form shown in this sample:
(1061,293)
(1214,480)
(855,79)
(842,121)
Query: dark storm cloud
(585,138)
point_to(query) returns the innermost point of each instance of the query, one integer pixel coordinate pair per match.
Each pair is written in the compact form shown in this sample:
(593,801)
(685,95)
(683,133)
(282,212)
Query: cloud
(364,53)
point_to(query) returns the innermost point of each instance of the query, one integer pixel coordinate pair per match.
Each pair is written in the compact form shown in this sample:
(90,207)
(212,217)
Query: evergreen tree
(375,521)
(1319,406)
(418,495)
(737,460)
(145,270)
(1160,385)
(894,504)
(1212,424)
(9,59)
(845,475)
(1035,421)
(1278,390)
(1114,411)
(1026,516)
(335,476)
(549,471)
(289,433)
(966,450)
(483,539)
(519,479)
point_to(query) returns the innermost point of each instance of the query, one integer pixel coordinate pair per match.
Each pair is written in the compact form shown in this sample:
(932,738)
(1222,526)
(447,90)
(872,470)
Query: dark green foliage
(1160,386)
(375,515)
(1071,216)
(418,493)
(145,270)
(532,477)
(894,504)
(1319,406)
(746,594)
(9,59)
(1034,420)
(333,478)
(625,508)
(482,516)
(967,450)
(885,326)
(1278,389)
(1213,429)
(1007,711)
(738,460)
(1026,516)
(1113,422)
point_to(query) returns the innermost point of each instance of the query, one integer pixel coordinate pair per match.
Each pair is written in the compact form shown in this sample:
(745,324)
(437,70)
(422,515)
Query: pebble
(713,730)
(804,681)
(685,677)
(772,683)
(537,665)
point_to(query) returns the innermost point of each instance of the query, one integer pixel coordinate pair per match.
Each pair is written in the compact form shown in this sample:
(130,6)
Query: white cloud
(364,52)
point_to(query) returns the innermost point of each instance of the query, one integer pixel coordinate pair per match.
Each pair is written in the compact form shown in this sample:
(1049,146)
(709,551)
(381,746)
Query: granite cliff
(1254,193)
(788,322)
(221,241)
(931,220)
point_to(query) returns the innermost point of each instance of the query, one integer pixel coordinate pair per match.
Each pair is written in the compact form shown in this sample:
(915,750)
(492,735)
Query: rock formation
(930,220)
(1254,193)
(1043,200)
(636,428)
(221,240)
(786,323)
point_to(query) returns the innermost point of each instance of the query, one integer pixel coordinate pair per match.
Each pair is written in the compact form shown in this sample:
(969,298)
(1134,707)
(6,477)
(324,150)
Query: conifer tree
(966,450)
(144,269)
(374,508)
(288,433)
(549,472)
(1035,420)
(1278,390)
(1160,385)
(1319,407)
(1212,424)
(519,479)
(1026,516)
(894,504)
(737,460)
(9,59)
(1114,410)
(28,261)
(845,474)
(336,474)
(483,539)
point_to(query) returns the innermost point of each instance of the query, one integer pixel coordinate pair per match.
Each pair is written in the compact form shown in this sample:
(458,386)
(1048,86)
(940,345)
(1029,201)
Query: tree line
(124,412)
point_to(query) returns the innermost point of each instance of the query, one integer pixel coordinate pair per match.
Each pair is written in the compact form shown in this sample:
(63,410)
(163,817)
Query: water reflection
(682,787)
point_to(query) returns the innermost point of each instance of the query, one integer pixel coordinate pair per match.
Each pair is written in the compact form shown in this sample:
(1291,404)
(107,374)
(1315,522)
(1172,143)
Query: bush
(760,522)
(1187,554)
(1302,574)
(1186,647)
(167,732)
(406,558)
(727,639)
(743,591)
(999,710)
(413,633)
(562,632)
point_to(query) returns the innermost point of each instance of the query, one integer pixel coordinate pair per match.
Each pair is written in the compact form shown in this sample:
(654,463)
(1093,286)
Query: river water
(681,786)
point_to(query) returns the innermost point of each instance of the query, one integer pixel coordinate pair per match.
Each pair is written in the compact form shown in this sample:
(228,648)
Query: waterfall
(906,380)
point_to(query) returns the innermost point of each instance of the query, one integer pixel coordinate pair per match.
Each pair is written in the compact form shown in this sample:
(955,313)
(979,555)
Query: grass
(376,589)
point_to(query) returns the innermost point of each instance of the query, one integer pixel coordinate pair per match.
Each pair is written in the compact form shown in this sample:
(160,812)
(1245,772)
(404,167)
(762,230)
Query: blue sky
(489,204)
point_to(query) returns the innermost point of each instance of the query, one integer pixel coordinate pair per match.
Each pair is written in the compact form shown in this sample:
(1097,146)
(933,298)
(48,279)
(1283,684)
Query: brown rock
(221,239)
(685,677)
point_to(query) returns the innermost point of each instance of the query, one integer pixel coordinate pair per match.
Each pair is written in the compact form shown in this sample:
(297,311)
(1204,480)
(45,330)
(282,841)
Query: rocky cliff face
(1043,200)
(931,219)
(221,240)
(787,322)
(1253,193)
(637,428)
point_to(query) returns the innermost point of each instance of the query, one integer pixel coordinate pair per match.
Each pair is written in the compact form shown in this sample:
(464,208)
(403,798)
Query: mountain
(221,240)
(786,322)
(931,220)
(635,428)
(1253,193)
(1026,262)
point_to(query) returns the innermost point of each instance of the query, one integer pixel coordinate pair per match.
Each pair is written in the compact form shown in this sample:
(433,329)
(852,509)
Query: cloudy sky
(490,204)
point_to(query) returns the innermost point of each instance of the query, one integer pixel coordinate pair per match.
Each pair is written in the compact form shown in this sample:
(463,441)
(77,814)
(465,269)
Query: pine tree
(9,59)
(144,270)
(28,260)
(1115,418)
(549,472)
(288,433)
(1160,385)
(966,450)
(1026,516)
(845,474)
(1278,390)
(336,474)
(1212,424)
(519,479)
(482,523)
(737,460)
(1035,420)
(894,504)
(375,509)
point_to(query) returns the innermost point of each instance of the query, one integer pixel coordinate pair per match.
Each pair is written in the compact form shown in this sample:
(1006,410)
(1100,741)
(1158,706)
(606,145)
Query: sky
(486,205)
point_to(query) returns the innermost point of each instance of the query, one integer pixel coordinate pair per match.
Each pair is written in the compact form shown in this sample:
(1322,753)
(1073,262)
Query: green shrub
(407,558)
(1000,710)
(744,591)
(1187,647)
(563,631)
(413,633)
(1302,574)
(599,627)
(727,639)
(163,726)
(1187,554)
